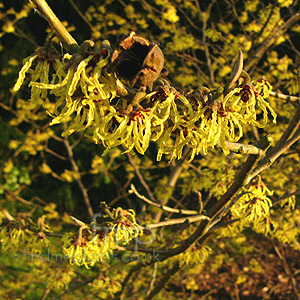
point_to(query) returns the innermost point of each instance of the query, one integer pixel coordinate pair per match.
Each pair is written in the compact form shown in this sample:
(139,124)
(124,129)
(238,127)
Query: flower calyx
(211,100)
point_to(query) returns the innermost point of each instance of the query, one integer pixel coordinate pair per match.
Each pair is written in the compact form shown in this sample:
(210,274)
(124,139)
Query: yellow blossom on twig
(87,92)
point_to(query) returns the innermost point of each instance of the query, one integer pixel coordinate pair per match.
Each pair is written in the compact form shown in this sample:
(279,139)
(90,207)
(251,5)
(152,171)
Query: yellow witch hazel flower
(254,205)
(205,119)
(90,247)
(24,235)
(194,255)
(91,98)
(286,226)
(13,238)
(78,81)
(57,277)
(85,89)
(125,227)
(87,250)
(133,130)
(106,287)
(38,240)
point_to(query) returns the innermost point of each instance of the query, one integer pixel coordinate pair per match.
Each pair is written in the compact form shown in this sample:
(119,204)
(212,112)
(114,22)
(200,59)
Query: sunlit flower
(87,247)
(126,227)
(55,276)
(254,205)
(194,255)
(13,238)
(87,250)
(106,287)
(18,236)
(85,88)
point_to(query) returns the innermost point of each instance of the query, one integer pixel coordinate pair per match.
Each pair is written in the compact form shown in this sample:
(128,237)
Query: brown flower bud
(138,60)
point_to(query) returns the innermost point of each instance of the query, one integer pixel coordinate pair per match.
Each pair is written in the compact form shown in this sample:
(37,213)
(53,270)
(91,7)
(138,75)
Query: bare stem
(141,178)
(79,181)
(162,282)
(154,274)
(82,15)
(270,158)
(284,96)
(257,53)
(207,54)
(163,207)
(281,255)
(189,219)
(119,295)
(55,23)
(173,177)
(243,148)
(293,126)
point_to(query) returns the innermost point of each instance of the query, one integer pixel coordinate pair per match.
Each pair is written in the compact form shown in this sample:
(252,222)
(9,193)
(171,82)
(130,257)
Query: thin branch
(288,195)
(55,23)
(152,251)
(79,181)
(255,57)
(215,222)
(162,282)
(140,176)
(115,200)
(163,207)
(243,149)
(154,274)
(82,15)
(281,255)
(292,127)
(206,48)
(188,220)
(16,197)
(54,153)
(270,159)
(293,46)
(173,177)
(134,269)
(83,283)
(187,17)
(20,33)
(236,14)
(259,34)
(284,97)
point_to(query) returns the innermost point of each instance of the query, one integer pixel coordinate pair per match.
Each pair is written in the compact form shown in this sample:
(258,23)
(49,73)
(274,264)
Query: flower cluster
(254,205)
(91,98)
(57,277)
(194,255)
(106,287)
(88,247)
(124,228)
(204,119)
(24,235)
(286,227)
